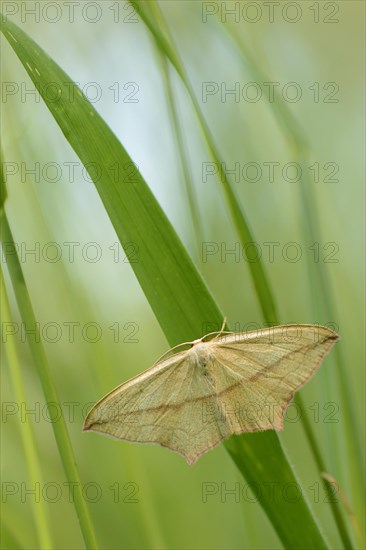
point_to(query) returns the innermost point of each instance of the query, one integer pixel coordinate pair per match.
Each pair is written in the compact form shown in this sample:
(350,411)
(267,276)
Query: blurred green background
(114,58)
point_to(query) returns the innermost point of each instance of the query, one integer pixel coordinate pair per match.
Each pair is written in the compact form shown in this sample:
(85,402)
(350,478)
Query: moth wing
(267,368)
(232,384)
(163,405)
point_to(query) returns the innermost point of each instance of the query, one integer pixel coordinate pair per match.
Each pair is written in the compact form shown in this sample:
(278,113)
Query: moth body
(200,351)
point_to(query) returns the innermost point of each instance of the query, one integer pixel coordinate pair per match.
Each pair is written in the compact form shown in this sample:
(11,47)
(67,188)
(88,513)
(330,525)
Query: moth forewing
(233,383)
(116,399)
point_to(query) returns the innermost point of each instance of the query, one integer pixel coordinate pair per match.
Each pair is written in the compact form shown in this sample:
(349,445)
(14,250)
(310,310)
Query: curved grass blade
(27,433)
(40,360)
(322,295)
(41,363)
(320,278)
(26,429)
(174,288)
(182,151)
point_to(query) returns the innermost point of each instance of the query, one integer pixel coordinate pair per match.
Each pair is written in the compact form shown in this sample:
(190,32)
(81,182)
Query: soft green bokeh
(170,512)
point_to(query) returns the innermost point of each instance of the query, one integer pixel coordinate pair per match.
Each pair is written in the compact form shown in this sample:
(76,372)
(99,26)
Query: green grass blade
(40,360)
(328,487)
(275,465)
(183,154)
(26,429)
(44,373)
(171,283)
(301,149)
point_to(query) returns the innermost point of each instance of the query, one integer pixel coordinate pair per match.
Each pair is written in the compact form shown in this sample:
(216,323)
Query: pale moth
(229,384)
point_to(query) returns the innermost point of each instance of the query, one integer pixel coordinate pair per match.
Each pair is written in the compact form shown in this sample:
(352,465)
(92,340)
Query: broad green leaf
(168,277)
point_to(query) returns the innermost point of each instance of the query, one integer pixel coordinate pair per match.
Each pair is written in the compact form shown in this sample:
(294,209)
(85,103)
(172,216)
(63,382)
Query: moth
(223,384)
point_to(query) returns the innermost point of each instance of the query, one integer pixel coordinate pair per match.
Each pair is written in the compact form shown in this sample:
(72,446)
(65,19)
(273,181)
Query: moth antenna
(223,325)
(170,350)
(218,334)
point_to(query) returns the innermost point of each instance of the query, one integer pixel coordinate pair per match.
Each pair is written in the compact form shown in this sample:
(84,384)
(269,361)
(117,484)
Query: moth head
(201,350)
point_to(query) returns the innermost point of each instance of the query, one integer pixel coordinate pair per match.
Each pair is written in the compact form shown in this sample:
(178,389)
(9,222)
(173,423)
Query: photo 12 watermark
(284,330)
(74,12)
(53,332)
(69,251)
(272,491)
(271,12)
(69,92)
(257,412)
(271,92)
(270,252)
(53,492)
(271,171)
(53,172)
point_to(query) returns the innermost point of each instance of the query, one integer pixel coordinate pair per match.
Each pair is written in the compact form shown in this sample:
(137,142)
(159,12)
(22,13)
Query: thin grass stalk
(33,465)
(346,506)
(302,153)
(41,363)
(148,517)
(105,379)
(322,292)
(197,228)
(49,390)
(328,487)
